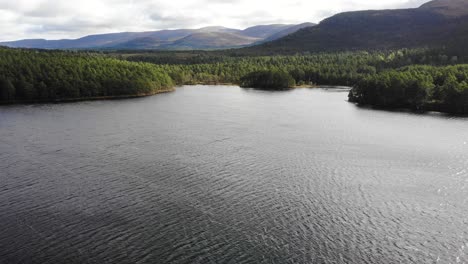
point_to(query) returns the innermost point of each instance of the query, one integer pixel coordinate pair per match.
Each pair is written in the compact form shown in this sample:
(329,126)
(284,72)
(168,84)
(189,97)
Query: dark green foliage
(344,68)
(7,90)
(418,87)
(384,79)
(380,78)
(268,80)
(30,75)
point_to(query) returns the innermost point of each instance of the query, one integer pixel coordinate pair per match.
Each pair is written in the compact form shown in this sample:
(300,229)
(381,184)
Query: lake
(220,174)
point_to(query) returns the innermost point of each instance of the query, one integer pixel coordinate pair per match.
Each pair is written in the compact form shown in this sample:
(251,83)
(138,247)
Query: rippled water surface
(227,175)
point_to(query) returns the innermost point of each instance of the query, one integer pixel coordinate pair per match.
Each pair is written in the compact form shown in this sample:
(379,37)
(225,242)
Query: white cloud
(55,19)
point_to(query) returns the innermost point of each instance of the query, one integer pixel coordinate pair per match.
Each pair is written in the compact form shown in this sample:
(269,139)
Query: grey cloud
(260,17)
(8,5)
(48,9)
(72,25)
(413,3)
(325,13)
(176,21)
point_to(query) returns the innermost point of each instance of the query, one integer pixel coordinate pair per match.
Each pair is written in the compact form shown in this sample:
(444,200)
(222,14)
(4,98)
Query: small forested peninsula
(442,89)
(268,80)
(36,76)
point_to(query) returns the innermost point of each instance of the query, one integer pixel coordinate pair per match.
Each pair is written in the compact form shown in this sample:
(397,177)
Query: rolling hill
(450,8)
(210,40)
(181,39)
(439,23)
(264,31)
(288,31)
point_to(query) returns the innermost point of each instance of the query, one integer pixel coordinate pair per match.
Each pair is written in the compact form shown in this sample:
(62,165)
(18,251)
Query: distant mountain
(187,39)
(149,40)
(102,40)
(439,23)
(210,40)
(288,31)
(265,31)
(217,29)
(449,8)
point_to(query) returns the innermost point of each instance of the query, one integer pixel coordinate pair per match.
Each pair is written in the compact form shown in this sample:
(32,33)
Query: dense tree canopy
(268,80)
(419,79)
(29,75)
(344,68)
(418,87)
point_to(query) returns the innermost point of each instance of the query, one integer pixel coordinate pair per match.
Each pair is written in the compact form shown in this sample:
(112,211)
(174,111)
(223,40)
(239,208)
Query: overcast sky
(55,19)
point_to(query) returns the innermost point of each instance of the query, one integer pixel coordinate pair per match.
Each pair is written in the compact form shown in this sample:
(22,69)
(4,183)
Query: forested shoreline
(418,79)
(422,88)
(47,76)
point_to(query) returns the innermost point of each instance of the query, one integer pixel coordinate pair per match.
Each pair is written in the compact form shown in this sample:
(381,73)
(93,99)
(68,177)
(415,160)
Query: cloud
(413,3)
(55,19)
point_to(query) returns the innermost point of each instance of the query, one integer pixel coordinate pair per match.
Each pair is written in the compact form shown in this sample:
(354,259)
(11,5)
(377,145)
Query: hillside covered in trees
(32,75)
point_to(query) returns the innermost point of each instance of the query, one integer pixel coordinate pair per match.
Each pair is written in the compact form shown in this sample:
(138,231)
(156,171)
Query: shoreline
(83,99)
(425,109)
(121,97)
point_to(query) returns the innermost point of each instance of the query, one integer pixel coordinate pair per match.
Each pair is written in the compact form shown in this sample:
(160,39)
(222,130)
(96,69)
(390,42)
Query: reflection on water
(227,175)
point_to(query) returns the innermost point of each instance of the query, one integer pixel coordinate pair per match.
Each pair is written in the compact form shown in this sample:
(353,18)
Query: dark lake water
(228,175)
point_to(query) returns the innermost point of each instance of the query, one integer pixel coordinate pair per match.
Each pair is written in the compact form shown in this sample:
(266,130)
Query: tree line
(420,79)
(417,87)
(33,75)
(341,68)
(268,80)
(411,78)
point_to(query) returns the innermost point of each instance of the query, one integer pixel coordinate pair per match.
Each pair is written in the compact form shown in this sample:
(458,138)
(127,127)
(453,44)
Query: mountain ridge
(215,37)
(438,23)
